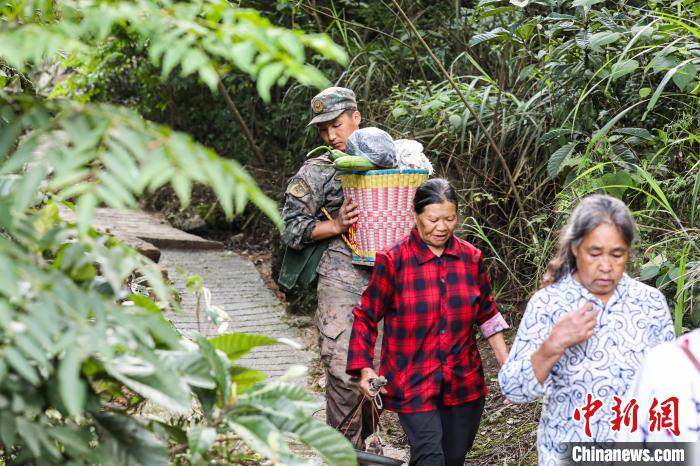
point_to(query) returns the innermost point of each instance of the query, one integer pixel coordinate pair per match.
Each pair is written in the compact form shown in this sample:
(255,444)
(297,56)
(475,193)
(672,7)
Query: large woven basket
(385,198)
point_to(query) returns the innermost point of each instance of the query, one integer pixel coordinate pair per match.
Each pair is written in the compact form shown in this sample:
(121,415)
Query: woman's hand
(366,375)
(347,215)
(574,327)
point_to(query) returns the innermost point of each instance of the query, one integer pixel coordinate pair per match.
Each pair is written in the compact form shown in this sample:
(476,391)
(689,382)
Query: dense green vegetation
(525,105)
(569,97)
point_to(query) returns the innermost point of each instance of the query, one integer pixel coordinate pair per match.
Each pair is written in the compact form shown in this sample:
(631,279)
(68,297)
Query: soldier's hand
(347,215)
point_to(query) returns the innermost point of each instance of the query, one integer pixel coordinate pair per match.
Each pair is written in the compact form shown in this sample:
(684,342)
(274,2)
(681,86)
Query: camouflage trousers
(334,320)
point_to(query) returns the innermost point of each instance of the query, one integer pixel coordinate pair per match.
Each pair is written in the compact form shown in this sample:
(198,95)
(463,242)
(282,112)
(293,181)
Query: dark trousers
(442,437)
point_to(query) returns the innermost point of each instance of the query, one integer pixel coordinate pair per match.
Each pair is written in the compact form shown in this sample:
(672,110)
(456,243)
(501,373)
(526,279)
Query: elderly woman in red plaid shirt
(431,288)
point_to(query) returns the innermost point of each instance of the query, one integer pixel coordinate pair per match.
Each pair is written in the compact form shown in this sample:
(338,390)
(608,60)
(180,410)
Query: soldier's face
(335,133)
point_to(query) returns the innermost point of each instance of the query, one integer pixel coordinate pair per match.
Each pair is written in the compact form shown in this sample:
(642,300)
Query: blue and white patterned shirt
(635,319)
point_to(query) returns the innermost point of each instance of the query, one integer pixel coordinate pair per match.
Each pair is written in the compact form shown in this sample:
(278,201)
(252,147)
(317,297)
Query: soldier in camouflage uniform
(340,283)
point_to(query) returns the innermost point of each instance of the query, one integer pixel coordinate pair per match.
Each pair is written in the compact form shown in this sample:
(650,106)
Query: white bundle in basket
(410,156)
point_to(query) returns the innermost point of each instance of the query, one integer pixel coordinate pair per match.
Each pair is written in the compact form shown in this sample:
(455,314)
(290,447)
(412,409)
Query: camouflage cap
(330,103)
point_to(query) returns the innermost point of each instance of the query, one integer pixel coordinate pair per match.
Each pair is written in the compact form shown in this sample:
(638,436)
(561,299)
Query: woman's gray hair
(591,212)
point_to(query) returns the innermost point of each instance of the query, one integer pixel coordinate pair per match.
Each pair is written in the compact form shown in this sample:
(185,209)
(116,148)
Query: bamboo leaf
(85,210)
(18,362)
(26,189)
(72,389)
(266,78)
(163,386)
(209,76)
(183,188)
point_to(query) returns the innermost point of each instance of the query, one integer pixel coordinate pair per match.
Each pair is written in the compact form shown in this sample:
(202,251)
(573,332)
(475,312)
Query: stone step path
(234,283)
(239,290)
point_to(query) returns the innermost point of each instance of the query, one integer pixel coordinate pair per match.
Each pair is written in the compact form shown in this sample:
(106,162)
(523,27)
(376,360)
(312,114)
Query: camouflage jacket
(315,186)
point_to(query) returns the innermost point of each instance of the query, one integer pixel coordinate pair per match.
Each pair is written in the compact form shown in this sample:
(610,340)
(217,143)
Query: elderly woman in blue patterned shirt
(586,331)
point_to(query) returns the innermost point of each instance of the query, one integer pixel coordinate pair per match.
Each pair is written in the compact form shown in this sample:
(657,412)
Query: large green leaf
(616,183)
(246,378)
(624,156)
(585,3)
(259,434)
(495,34)
(34,436)
(601,39)
(236,345)
(333,447)
(649,272)
(583,38)
(557,159)
(161,384)
(126,442)
(218,366)
(686,76)
(75,440)
(623,68)
(199,440)
(636,132)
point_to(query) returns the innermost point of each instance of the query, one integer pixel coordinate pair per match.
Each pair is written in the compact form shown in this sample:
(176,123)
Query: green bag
(299,267)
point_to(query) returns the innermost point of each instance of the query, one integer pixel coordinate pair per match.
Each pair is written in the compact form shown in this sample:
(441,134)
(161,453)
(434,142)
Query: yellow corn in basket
(385,199)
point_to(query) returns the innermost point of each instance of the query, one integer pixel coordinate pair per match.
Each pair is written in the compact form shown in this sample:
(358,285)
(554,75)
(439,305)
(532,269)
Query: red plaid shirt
(430,306)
